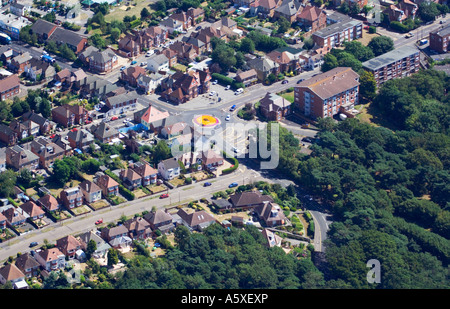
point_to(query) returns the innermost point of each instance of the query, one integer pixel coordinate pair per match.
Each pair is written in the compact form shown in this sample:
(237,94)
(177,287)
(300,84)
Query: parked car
(300,80)
(143,64)
(215,82)
(285,82)
(212,93)
(33,244)
(133,62)
(165,195)
(99,221)
(123,68)
(232,185)
(232,108)
(207,184)
(198,28)
(227,87)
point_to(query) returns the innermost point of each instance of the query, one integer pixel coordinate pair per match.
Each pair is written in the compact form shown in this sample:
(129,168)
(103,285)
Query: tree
(329,62)
(308,43)
(361,52)
(115,34)
(8,180)
(283,25)
(428,11)
(380,45)
(113,257)
(61,172)
(161,152)
(247,45)
(91,247)
(145,13)
(223,55)
(367,85)
(97,41)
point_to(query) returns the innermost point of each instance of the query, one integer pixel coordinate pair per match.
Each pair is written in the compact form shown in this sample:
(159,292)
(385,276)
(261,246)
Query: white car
(215,82)
(227,118)
(227,87)
(212,93)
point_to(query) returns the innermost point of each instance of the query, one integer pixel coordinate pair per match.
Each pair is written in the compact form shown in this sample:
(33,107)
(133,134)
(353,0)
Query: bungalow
(249,199)
(49,202)
(147,173)
(104,133)
(91,191)
(68,245)
(138,228)
(160,220)
(12,273)
(34,211)
(198,220)
(108,185)
(27,265)
(51,259)
(248,78)
(71,197)
(169,169)
(211,159)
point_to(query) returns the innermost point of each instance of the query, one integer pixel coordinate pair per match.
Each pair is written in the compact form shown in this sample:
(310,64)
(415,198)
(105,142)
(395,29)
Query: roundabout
(206,121)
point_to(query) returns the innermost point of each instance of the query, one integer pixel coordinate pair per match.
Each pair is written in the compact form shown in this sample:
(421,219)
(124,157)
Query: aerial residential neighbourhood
(134,139)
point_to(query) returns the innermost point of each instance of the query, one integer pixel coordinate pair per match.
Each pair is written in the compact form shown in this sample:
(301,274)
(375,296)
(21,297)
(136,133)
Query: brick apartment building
(9,87)
(326,94)
(400,62)
(439,39)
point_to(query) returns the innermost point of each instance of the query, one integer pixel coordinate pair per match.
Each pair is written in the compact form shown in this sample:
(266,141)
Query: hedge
(126,193)
(233,161)
(224,80)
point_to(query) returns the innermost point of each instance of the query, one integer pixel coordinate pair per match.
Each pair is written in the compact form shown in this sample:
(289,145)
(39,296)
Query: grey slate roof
(390,57)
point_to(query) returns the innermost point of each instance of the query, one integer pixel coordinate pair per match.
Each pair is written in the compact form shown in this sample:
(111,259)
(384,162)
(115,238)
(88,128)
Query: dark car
(198,28)
(207,184)
(33,244)
(285,81)
(300,80)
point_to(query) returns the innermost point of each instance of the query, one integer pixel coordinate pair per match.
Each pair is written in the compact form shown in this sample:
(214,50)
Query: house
(249,199)
(102,246)
(130,45)
(196,15)
(69,115)
(80,138)
(2,221)
(131,74)
(9,87)
(47,151)
(287,62)
(68,246)
(108,185)
(43,29)
(312,18)
(12,24)
(222,204)
(266,8)
(19,62)
(51,259)
(34,211)
(197,44)
(185,52)
(71,197)
(20,158)
(398,63)
(175,129)
(263,66)
(138,228)
(14,217)
(182,87)
(274,107)
(198,220)
(49,202)
(116,236)
(151,115)
(160,220)
(7,136)
(211,159)
(157,34)
(45,125)
(439,39)
(27,265)
(91,191)
(39,70)
(169,169)
(130,178)
(325,94)
(18,9)
(273,240)
(99,61)
(121,103)
(12,273)
(72,39)
(248,78)
(149,83)
(183,18)
(157,63)
(171,55)
(171,25)
(288,9)
(271,214)
(104,133)
(148,174)
(23,129)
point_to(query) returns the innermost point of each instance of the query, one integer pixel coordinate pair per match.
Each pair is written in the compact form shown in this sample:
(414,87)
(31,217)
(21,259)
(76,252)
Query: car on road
(207,184)
(99,221)
(285,82)
(165,195)
(143,64)
(149,53)
(133,62)
(212,93)
(114,118)
(307,139)
(232,185)
(123,68)
(198,28)
(227,118)
(239,91)
(442,21)
(409,35)
(235,150)
(33,244)
(227,87)
(300,80)
(232,108)
(215,82)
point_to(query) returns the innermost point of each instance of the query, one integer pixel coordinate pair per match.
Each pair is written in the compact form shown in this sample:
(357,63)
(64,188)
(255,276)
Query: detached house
(80,138)
(287,62)
(263,66)
(169,169)
(38,70)
(130,75)
(274,107)
(19,62)
(69,115)
(138,228)
(248,78)
(20,158)
(151,115)
(45,125)
(271,214)
(34,211)
(148,174)
(157,63)
(99,61)
(7,136)
(120,103)
(91,192)
(130,178)
(12,273)
(312,18)
(51,259)
(182,87)
(68,245)
(104,132)
(117,236)
(27,264)
(71,197)
(249,199)
(47,151)
(160,220)
(183,18)
(288,9)
(198,220)
(14,217)
(171,25)
(108,185)
(49,202)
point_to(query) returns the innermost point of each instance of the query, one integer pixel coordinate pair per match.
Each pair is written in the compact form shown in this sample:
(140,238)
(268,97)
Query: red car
(114,118)
(165,195)
(98,221)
